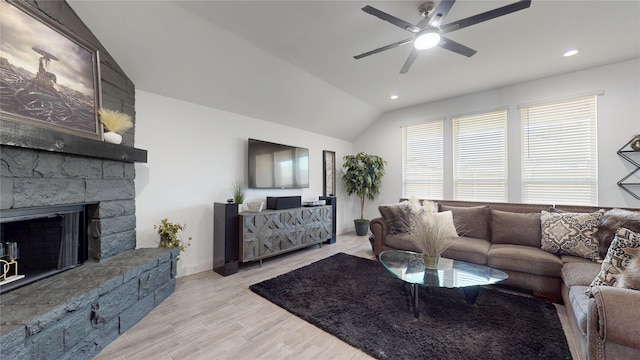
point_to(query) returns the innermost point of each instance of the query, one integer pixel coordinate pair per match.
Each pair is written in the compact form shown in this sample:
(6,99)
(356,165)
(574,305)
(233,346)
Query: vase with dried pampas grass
(430,235)
(115,123)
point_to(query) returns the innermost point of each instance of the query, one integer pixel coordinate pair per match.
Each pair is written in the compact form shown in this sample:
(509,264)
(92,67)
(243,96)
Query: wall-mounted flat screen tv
(277,166)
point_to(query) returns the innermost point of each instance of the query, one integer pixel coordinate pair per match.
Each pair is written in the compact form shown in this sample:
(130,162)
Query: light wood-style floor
(210,316)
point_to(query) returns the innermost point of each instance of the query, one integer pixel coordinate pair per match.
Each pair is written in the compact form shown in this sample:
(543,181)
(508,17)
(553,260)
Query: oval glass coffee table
(409,267)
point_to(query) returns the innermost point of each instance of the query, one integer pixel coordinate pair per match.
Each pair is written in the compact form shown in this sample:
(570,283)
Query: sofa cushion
(580,305)
(398,217)
(401,241)
(570,258)
(571,233)
(579,273)
(468,249)
(624,247)
(611,221)
(515,228)
(471,221)
(525,259)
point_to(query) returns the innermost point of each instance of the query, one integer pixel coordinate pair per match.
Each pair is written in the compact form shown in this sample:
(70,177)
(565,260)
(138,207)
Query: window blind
(559,152)
(480,156)
(423,168)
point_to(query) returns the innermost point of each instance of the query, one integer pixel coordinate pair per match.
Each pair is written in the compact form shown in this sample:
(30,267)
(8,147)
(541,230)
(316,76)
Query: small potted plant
(115,123)
(169,238)
(363,177)
(238,193)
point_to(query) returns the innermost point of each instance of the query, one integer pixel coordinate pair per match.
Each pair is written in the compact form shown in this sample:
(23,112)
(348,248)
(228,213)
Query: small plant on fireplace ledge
(115,121)
(169,238)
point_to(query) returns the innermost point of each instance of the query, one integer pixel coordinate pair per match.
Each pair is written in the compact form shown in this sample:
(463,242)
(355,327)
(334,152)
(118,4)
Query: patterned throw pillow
(571,233)
(624,247)
(398,217)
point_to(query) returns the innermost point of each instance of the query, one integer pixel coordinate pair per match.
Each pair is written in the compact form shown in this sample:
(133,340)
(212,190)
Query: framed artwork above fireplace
(49,76)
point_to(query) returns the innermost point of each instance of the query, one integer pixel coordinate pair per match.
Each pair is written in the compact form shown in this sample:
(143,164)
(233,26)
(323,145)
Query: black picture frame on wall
(329,173)
(50,76)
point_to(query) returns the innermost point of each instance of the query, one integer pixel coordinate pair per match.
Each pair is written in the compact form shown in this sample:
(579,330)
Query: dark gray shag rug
(358,301)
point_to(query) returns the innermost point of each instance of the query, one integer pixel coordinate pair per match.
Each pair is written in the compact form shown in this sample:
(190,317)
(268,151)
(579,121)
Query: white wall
(195,153)
(618,121)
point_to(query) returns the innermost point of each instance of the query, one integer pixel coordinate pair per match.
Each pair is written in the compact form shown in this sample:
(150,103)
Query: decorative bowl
(254,206)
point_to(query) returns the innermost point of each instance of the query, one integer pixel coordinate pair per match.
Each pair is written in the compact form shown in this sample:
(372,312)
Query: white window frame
(423,160)
(480,160)
(560,151)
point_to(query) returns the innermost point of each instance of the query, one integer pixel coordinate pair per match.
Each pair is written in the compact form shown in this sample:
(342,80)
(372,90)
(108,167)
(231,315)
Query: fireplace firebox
(39,242)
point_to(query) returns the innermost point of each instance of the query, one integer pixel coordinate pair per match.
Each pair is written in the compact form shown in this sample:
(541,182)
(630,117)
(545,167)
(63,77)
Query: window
(559,152)
(423,160)
(480,156)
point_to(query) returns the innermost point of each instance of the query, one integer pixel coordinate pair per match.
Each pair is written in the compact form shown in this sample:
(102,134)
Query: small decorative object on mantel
(115,123)
(635,143)
(169,238)
(430,234)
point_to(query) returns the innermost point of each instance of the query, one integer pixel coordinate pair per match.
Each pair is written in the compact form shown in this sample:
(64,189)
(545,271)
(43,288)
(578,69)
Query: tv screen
(277,166)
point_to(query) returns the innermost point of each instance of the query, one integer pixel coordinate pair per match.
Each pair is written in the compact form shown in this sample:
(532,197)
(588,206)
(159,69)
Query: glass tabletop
(409,266)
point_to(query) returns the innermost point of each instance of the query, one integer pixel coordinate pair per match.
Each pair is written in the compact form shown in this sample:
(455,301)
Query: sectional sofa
(604,320)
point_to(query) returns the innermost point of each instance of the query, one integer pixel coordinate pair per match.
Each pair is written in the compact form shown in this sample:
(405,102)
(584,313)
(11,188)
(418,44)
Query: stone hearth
(75,313)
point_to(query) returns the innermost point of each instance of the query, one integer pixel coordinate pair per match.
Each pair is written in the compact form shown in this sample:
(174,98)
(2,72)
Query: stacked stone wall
(33,178)
(86,308)
(73,315)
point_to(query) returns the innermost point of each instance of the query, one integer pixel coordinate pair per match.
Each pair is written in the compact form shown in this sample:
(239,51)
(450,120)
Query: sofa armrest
(618,315)
(379,229)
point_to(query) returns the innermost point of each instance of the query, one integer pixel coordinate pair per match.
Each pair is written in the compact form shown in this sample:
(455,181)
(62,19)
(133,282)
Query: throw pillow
(398,217)
(471,221)
(624,248)
(611,221)
(444,220)
(629,278)
(515,228)
(571,233)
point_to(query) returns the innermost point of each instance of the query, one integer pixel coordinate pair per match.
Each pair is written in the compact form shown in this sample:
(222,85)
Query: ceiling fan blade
(381,49)
(390,18)
(456,47)
(435,19)
(409,62)
(491,14)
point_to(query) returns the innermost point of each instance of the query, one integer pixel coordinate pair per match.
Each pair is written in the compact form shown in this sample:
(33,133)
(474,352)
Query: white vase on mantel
(113,138)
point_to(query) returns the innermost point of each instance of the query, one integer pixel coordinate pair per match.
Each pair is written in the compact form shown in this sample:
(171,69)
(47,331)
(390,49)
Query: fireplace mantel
(32,137)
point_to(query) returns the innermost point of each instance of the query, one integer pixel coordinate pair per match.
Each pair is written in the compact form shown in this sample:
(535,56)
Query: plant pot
(113,138)
(362,227)
(431,262)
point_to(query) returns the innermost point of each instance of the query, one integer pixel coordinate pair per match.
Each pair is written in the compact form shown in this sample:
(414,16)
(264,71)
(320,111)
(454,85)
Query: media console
(272,232)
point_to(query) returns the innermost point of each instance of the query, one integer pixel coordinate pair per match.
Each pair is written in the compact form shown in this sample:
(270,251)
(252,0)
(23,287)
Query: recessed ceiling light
(570,53)
(393,97)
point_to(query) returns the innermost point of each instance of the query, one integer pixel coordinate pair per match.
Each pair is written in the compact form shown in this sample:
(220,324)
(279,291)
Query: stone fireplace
(85,283)
(43,240)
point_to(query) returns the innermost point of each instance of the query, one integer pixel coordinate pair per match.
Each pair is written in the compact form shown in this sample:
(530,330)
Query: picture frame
(50,77)
(329,173)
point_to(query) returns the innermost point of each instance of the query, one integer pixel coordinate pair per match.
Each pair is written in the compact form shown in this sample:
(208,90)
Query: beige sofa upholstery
(503,236)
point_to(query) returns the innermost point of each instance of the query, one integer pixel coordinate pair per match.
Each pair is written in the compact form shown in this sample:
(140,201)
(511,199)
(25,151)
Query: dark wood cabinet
(226,247)
(333,201)
(272,232)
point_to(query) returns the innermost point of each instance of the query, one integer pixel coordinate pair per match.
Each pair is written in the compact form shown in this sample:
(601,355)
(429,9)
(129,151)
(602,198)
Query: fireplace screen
(40,242)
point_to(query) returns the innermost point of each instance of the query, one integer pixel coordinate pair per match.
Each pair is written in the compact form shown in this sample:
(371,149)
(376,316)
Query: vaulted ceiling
(291,62)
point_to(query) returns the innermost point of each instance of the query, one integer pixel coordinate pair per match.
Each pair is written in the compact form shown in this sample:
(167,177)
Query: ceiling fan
(427,33)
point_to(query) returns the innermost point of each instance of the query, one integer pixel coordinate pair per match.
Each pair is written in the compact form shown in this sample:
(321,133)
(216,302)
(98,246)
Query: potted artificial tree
(363,177)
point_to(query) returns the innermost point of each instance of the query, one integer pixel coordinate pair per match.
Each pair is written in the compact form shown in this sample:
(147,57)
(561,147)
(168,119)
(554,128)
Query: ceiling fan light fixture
(570,53)
(426,40)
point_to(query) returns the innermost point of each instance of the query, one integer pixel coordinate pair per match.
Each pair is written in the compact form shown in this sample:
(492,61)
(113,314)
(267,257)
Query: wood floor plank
(210,316)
